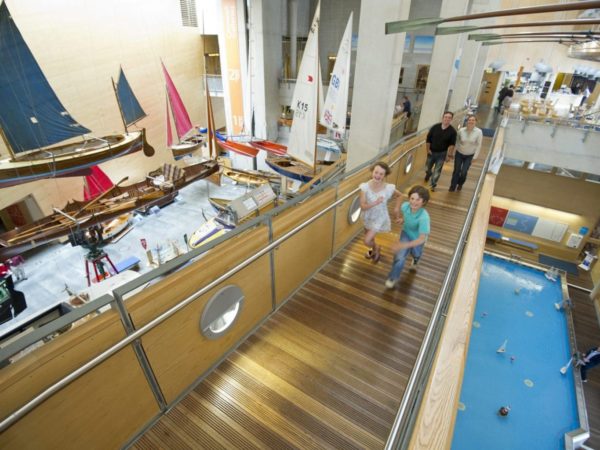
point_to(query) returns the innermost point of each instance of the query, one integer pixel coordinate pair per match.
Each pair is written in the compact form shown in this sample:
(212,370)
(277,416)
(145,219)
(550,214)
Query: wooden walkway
(329,369)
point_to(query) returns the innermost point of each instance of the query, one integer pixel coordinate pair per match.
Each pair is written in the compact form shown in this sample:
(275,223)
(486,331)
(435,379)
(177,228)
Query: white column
(442,63)
(265,66)
(479,63)
(466,69)
(293,31)
(378,61)
(475,83)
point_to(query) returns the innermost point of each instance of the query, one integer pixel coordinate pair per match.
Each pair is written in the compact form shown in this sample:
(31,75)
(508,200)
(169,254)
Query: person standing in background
(440,143)
(468,146)
(406,106)
(589,361)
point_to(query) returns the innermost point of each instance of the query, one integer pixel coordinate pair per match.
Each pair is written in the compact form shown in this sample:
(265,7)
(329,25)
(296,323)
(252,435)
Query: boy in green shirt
(415,230)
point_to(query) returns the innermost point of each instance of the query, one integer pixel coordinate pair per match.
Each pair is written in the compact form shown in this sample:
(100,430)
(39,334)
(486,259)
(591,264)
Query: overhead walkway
(320,355)
(329,368)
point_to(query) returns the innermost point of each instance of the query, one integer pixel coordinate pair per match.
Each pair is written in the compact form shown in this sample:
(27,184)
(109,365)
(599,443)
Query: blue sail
(31,114)
(130,107)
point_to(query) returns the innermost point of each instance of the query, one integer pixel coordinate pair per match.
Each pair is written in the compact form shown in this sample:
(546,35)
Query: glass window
(540,167)
(593,178)
(568,173)
(513,162)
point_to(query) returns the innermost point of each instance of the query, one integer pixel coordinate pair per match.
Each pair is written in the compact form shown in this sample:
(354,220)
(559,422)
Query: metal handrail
(47,393)
(65,381)
(406,409)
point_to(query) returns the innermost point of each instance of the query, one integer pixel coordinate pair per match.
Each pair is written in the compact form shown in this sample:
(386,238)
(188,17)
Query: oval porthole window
(409,162)
(354,211)
(221,311)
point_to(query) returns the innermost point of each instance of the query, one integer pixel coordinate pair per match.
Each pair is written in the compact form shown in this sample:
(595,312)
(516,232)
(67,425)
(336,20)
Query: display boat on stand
(301,161)
(33,120)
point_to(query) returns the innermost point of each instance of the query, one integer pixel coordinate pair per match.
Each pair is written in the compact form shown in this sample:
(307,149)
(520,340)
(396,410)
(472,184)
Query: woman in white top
(468,145)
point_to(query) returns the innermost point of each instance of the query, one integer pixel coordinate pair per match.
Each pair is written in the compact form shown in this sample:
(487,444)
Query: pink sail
(169,132)
(95,184)
(183,124)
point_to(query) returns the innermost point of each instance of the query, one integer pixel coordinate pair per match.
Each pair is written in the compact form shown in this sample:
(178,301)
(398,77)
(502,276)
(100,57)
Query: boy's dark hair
(448,112)
(421,191)
(383,165)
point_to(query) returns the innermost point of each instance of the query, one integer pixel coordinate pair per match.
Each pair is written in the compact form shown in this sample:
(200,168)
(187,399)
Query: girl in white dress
(374,196)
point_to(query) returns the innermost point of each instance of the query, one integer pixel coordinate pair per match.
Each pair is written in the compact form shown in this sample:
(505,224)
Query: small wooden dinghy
(244,177)
(211,229)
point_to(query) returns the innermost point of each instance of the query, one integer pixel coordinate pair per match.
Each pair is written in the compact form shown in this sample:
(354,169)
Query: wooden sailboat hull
(189,174)
(63,160)
(244,177)
(238,147)
(212,229)
(139,196)
(270,147)
(290,168)
(187,146)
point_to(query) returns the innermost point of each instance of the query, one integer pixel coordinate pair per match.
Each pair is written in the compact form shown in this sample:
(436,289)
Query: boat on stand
(301,162)
(33,120)
(189,137)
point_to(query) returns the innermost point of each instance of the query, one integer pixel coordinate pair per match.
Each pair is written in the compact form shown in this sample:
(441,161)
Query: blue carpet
(559,264)
(488,132)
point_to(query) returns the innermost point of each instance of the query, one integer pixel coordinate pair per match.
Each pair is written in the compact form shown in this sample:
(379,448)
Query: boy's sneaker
(390,284)
(413,266)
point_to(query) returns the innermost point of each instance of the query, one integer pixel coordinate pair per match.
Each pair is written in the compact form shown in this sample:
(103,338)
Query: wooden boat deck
(329,369)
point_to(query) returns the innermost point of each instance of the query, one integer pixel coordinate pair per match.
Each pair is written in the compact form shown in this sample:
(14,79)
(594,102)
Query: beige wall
(575,196)
(80,45)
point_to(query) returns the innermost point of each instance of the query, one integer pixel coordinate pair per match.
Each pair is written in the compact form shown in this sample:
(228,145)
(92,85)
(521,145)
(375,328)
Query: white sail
(333,114)
(303,133)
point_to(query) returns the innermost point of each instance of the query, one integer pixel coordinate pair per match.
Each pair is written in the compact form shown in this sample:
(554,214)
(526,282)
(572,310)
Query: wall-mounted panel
(100,410)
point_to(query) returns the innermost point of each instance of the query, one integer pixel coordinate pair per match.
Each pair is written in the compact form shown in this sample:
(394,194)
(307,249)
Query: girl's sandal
(369,254)
(376,254)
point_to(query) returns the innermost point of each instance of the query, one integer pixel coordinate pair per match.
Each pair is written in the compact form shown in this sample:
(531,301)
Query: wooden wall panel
(100,410)
(30,375)
(177,350)
(439,404)
(343,229)
(156,299)
(302,254)
(298,257)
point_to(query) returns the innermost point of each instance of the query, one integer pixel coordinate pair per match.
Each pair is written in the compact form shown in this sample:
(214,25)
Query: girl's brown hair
(383,165)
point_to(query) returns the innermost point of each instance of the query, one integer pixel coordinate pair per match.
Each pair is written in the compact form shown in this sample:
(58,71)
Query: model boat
(189,137)
(246,177)
(33,120)
(301,161)
(76,214)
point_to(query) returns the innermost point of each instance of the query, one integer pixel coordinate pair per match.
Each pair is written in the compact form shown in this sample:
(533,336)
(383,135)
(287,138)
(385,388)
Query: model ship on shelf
(115,201)
(33,120)
(301,162)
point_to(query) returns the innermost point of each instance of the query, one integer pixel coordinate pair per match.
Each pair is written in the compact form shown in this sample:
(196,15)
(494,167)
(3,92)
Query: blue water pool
(515,311)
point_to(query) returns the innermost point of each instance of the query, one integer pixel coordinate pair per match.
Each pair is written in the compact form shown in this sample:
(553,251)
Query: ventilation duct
(587,50)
